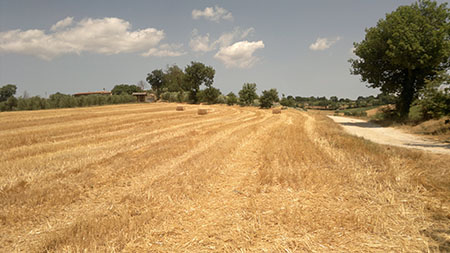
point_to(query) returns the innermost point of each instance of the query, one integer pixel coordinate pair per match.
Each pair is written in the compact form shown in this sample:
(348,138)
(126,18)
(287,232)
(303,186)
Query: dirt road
(389,135)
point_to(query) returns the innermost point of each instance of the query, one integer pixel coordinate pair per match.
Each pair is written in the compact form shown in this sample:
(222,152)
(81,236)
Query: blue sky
(299,47)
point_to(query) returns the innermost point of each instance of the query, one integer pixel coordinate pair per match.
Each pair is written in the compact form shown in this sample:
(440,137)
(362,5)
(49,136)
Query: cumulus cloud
(240,54)
(166,50)
(323,43)
(215,13)
(202,43)
(104,36)
(199,43)
(62,23)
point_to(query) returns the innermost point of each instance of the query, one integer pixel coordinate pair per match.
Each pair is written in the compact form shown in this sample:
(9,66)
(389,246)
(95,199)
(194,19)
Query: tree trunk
(406,95)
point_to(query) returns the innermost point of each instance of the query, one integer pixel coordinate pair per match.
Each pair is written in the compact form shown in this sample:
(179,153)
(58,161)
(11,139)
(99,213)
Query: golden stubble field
(148,178)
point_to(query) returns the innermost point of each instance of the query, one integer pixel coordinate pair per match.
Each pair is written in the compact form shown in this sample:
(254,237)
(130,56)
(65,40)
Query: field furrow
(139,178)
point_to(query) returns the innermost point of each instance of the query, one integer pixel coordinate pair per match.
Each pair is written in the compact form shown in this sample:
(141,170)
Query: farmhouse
(140,96)
(106,93)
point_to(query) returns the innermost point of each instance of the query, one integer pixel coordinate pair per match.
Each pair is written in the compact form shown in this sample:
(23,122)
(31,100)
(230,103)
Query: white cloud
(215,13)
(104,36)
(62,23)
(166,50)
(201,43)
(323,43)
(240,54)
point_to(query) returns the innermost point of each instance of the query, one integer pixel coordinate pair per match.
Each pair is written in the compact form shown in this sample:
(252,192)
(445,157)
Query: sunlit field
(148,178)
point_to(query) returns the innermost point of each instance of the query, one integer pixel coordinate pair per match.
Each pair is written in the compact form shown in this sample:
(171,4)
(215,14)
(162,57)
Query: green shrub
(232,99)
(221,99)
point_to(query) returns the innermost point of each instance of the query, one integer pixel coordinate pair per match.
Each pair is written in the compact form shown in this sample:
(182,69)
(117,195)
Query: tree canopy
(408,47)
(7,91)
(195,75)
(248,93)
(268,97)
(174,78)
(156,80)
(122,89)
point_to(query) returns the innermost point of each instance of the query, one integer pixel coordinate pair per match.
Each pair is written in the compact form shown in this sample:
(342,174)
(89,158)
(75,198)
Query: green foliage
(156,80)
(289,101)
(181,96)
(268,97)
(410,45)
(208,95)
(248,94)
(173,79)
(232,99)
(9,104)
(433,102)
(7,91)
(122,89)
(59,100)
(221,99)
(195,75)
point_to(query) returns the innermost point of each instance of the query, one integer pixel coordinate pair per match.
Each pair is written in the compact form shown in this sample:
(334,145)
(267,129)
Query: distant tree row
(57,100)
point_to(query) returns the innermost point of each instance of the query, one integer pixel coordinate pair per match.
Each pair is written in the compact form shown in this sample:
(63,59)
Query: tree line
(406,55)
(58,100)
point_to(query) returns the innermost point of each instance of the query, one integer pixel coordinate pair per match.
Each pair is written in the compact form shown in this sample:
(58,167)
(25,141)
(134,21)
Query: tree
(268,97)
(173,78)
(410,45)
(209,95)
(248,93)
(7,91)
(125,89)
(156,80)
(433,101)
(196,75)
(288,101)
(231,99)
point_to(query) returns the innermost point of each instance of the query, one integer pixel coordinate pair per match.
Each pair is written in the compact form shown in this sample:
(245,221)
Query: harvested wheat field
(148,178)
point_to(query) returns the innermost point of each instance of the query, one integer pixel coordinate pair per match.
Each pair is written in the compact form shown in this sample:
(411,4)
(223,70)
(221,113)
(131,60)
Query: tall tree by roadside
(195,75)
(7,91)
(248,93)
(156,80)
(408,47)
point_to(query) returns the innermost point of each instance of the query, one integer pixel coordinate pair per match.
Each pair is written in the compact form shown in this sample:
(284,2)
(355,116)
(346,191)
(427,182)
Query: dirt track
(389,135)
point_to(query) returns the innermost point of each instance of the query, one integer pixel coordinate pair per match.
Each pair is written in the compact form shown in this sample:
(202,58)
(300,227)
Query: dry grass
(276,110)
(139,178)
(436,129)
(180,108)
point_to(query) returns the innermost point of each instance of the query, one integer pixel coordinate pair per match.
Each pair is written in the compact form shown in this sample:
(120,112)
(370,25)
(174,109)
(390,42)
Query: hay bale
(202,111)
(276,111)
(180,108)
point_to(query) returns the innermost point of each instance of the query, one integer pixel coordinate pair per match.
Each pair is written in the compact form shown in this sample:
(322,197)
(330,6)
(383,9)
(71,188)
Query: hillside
(145,177)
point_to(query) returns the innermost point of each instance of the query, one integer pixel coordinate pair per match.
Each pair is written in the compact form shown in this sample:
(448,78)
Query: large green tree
(174,78)
(268,97)
(156,80)
(7,91)
(403,50)
(195,75)
(248,93)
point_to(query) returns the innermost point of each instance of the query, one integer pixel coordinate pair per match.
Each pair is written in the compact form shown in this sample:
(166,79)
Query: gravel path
(389,135)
